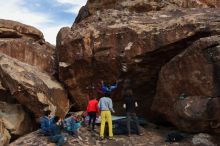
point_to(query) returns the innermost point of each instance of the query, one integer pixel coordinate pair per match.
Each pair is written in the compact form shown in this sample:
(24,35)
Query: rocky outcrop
(13,29)
(97,47)
(194,72)
(32,88)
(4,135)
(27,44)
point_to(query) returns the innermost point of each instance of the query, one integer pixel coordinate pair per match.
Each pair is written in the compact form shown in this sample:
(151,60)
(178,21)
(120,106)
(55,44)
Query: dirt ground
(153,136)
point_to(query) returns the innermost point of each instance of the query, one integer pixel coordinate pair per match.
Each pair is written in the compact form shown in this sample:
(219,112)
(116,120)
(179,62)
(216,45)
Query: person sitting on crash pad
(72,125)
(55,132)
(45,122)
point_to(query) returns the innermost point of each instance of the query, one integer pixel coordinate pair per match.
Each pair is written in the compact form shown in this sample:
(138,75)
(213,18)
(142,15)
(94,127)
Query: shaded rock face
(197,114)
(32,88)
(15,119)
(15,122)
(27,44)
(194,72)
(96,48)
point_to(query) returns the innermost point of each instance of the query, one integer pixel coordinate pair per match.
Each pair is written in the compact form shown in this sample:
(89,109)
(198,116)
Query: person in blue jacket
(45,122)
(55,132)
(108,88)
(72,125)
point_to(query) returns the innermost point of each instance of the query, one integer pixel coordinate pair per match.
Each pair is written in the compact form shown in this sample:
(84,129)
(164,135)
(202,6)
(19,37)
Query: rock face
(195,114)
(194,72)
(98,46)
(27,44)
(4,135)
(32,88)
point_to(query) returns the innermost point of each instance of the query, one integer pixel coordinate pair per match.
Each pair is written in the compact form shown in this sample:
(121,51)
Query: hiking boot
(101,138)
(89,128)
(111,138)
(140,134)
(93,130)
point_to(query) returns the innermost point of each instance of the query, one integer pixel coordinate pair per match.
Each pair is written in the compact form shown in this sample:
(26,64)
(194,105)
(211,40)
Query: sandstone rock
(4,135)
(32,88)
(194,72)
(13,29)
(27,44)
(15,119)
(96,48)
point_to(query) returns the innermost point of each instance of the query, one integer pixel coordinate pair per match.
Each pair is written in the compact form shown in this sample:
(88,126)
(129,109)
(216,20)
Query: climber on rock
(108,88)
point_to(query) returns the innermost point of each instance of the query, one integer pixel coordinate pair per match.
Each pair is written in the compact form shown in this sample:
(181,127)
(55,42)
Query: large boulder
(148,5)
(15,119)
(32,88)
(141,6)
(194,72)
(99,46)
(27,44)
(13,29)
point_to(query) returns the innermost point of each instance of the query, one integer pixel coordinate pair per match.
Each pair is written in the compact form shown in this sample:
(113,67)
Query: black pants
(92,117)
(132,116)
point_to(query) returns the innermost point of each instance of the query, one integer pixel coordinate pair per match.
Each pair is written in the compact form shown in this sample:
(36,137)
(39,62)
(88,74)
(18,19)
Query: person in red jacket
(92,110)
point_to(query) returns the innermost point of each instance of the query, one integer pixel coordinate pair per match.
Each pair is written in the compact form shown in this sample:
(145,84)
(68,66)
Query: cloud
(74,5)
(15,10)
(47,15)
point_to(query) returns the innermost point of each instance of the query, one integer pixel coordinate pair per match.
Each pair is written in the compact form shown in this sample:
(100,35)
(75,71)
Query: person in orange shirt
(92,110)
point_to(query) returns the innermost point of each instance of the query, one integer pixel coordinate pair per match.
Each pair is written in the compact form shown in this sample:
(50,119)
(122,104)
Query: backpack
(174,137)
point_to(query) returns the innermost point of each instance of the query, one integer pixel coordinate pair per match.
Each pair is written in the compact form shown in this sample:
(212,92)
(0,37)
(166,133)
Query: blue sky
(47,15)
